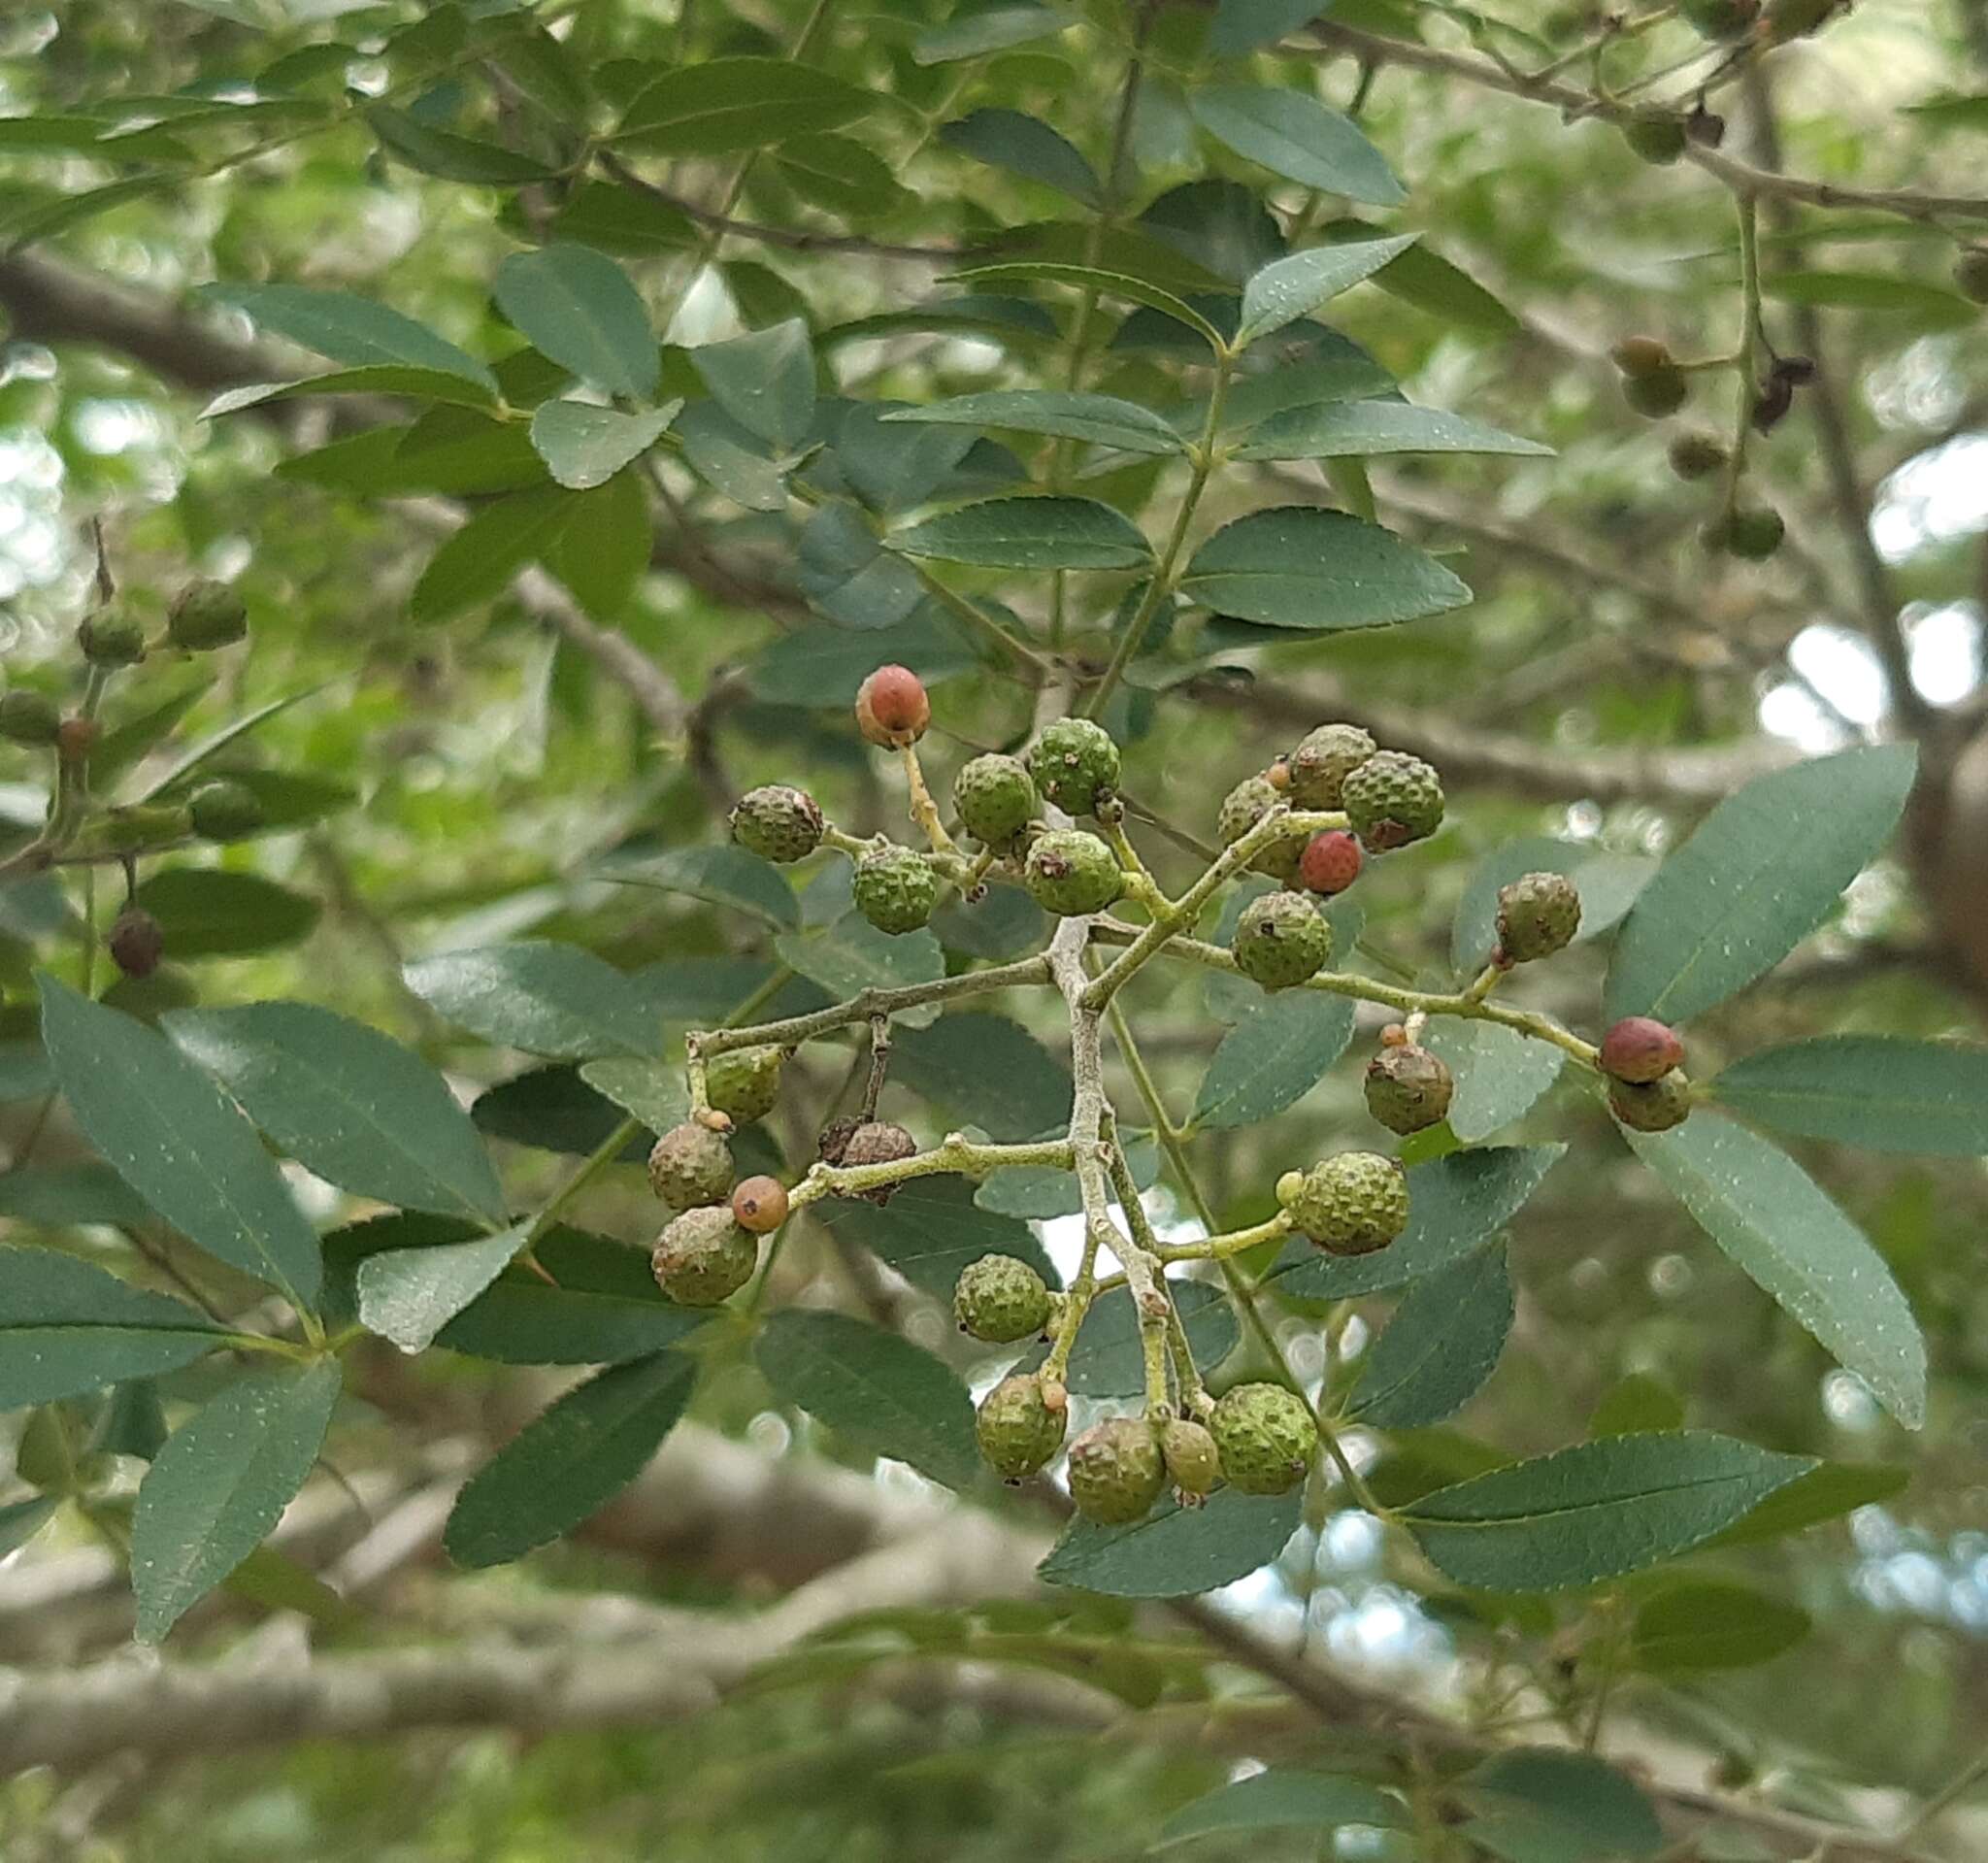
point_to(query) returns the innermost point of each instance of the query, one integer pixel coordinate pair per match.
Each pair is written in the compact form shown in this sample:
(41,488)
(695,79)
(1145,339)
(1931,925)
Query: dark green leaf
(728,104)
(1175,1552)
(479,562)
(986,1069)
(605,1309)
(852,954)
(722,874)
(930,1230)
(823,666)
(1027,146)
(765,380)
(1369,429)
(1777,1222)
(67,1327)
(1291,133)
(1824,1493)
(653,1091)
(349,329)
(1638,1403)
(408,1295)
(125,744)
(1249,26)
(1931,305)
(1759,873)
(546,998)
(1276,1053)
(1455,1205)
(355,1107)
(1289,289)
(584,445)
(1595,1510)
(210,912)
(379,377)
(1299,567)
(21,1520)
(840,174)
(1116,284)
(23,1072)
(1103,419)
(552,1108)
(167,1132)
(1038,1192)
(1431,283)
(974,31)
(577,306)
(729,459)
(69,1196)
(1712,1625)
(1441,1345)
(220,1483)
(874,1388)
(1029,533)
(1315,1802)
(569,1461)
(1499,1072)
(604,547)
(1544,1803)
(447,156)
(1110,1360)
(1874,1090)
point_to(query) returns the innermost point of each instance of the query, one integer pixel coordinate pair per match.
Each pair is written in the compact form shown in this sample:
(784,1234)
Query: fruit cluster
(203,618)
(1310,821)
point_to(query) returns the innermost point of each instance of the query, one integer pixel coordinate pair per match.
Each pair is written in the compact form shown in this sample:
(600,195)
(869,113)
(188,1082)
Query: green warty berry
(1538,914)
(1193,1462)
(995,799)
(1323,761)
(224,811)
(207,614)
(1393,799)
(1407,1088)
(777,822)
(1349,1204)
(1070,873)
(896,888)
(703,1258)
(1281,940)
(1242,808)
(1018,1431)
(1116,1471)
(1656,1108)
(745,1083)
(1000,1299)
(1075,764)
(1265,1436)
(689,1165)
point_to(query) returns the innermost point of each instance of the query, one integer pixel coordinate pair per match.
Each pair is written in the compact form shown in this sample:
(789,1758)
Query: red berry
(1639,1049)
(1394,1035)
(1330,862)
(891,707)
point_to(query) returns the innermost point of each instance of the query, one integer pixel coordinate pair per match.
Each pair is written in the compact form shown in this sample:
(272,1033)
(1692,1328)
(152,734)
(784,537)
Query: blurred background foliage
(1609,676)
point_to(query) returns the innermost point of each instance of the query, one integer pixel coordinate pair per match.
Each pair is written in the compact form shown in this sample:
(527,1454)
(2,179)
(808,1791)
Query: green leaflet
(1595,1510)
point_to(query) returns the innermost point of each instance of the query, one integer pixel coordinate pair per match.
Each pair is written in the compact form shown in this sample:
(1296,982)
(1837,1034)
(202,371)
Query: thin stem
(1165,577)
(1534,1023)
(1745,359)
(924,811)
(954,1155)
(1240,1291)
(792,1030)
(1172,917)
